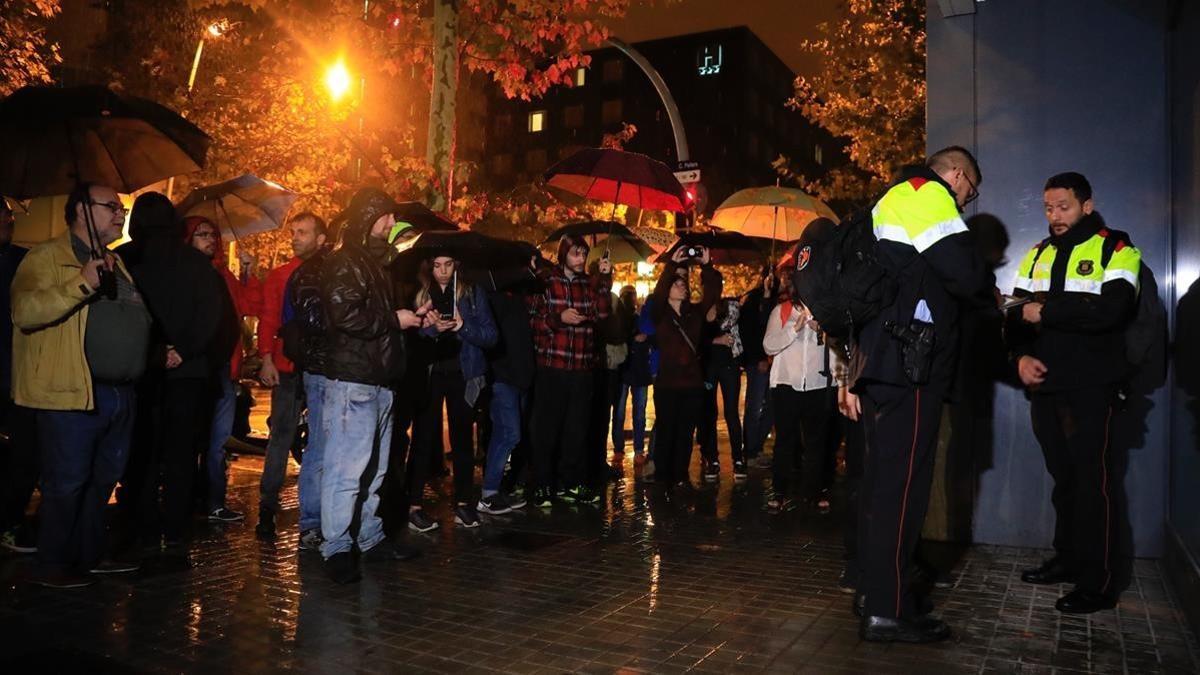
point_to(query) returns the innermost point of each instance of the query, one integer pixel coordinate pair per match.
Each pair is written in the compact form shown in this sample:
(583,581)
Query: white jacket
(799,360)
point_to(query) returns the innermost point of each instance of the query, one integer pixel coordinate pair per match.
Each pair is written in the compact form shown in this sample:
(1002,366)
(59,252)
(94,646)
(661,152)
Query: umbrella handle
(774,232)
(612,220)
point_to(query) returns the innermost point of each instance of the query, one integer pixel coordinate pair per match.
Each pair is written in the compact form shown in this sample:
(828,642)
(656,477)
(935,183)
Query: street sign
(687,165)
(690,176)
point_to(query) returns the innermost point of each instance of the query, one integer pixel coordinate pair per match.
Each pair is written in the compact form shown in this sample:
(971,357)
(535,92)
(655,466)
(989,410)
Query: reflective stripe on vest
(918,213)
(1084,272)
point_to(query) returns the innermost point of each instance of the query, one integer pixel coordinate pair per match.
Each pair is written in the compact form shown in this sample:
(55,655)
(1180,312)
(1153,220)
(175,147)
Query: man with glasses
(75,359)
(908,353)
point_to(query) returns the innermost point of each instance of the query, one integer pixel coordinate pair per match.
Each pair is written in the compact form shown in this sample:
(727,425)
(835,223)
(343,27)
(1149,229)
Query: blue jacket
(645,325)
(478,333)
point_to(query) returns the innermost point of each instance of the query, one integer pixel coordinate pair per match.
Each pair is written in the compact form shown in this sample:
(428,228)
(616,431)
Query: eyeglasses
(116,207)
(974,193)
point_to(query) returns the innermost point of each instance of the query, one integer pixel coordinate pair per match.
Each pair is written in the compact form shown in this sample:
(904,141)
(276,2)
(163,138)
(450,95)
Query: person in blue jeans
(461,328)
(512,365)
(304,343)
(636,378)
(79,347)
(752,325)
(365,355)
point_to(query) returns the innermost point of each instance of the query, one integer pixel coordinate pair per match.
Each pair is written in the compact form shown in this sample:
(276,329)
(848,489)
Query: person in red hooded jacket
(246,296)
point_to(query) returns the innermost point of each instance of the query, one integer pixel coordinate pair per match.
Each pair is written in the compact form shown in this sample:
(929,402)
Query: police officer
(1069,348)
(908,354)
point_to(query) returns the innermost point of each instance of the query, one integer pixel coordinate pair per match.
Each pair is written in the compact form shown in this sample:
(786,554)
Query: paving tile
(701,583)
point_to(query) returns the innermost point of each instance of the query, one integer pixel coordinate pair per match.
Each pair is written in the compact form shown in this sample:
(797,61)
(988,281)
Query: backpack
(1146,335)
(840,279)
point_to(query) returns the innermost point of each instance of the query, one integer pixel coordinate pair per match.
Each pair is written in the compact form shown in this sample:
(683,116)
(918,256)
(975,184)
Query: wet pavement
(705,582)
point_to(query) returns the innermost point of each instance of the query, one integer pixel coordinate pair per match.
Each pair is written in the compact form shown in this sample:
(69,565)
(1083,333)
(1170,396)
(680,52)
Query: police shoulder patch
(1085,268)
(802,259)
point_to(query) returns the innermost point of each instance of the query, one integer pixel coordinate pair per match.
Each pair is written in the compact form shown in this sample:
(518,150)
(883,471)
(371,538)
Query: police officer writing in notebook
(1069,349)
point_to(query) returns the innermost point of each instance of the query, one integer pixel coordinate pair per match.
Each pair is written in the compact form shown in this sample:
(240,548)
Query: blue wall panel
(1036,88)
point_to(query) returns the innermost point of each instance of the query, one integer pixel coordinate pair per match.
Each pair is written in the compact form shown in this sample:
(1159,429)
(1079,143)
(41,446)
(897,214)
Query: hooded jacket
(365,343)
(188,301)
(245,297)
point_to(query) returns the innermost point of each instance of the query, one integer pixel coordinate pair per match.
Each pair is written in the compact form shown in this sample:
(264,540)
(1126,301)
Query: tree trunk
(439,149)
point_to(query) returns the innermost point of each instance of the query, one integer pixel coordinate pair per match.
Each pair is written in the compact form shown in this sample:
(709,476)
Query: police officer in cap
(1068,345)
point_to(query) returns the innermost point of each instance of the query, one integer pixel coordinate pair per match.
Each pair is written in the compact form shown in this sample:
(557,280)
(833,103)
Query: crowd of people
(124,367)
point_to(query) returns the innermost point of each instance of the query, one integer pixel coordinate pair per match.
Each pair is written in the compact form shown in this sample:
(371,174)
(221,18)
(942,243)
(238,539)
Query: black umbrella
(620,242)
(470,248)
(241,207)
(725,248)
(53,138)
(422,218)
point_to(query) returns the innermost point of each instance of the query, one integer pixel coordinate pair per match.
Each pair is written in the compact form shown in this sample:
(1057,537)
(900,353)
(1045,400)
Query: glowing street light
(337,80)
(218,28)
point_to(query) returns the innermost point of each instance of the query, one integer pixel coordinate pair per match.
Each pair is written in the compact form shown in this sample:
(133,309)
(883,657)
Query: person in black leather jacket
(365,355)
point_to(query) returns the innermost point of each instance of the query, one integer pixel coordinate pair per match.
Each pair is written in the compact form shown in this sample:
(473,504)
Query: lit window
(580,77)
(537,121)
(819,154)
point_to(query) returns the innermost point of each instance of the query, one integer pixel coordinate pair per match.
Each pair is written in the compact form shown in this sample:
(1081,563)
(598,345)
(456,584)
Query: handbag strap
(688,340)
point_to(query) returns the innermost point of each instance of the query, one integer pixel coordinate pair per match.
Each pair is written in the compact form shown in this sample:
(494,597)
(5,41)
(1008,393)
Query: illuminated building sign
(708,60)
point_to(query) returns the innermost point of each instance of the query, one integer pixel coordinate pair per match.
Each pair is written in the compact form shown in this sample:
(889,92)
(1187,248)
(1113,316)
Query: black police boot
(1053,571)
(918,630)
(1085,602)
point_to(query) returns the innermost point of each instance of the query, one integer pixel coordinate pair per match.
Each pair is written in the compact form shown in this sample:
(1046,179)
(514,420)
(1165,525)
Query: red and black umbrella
(619,177)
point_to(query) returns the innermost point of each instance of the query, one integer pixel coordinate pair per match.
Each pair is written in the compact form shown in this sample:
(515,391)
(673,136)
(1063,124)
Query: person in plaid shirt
(563,320)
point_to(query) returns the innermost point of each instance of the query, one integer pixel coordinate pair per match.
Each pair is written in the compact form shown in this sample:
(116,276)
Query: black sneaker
(465,516)
(419,522)
(515,500)
(115,567)
(389,549)
(712,471)
(342,569)
(543,498)
(224,515)
(739,470)
(310,540)
(581,494)
(494,505)
(265,529)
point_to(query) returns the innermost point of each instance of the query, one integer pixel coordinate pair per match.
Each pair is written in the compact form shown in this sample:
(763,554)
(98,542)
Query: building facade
(730,89)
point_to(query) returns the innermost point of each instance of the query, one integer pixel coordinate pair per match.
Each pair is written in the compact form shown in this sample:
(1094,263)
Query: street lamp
(214,30)
(337,80)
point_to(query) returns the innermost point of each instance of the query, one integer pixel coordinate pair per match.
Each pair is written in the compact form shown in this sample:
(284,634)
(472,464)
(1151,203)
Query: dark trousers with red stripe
(1073,430)
(901,425)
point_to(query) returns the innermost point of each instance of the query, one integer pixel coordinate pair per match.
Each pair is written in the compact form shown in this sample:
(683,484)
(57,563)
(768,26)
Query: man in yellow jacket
(77,350)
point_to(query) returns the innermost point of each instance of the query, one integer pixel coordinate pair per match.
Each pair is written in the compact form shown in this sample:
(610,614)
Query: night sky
(782,24)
